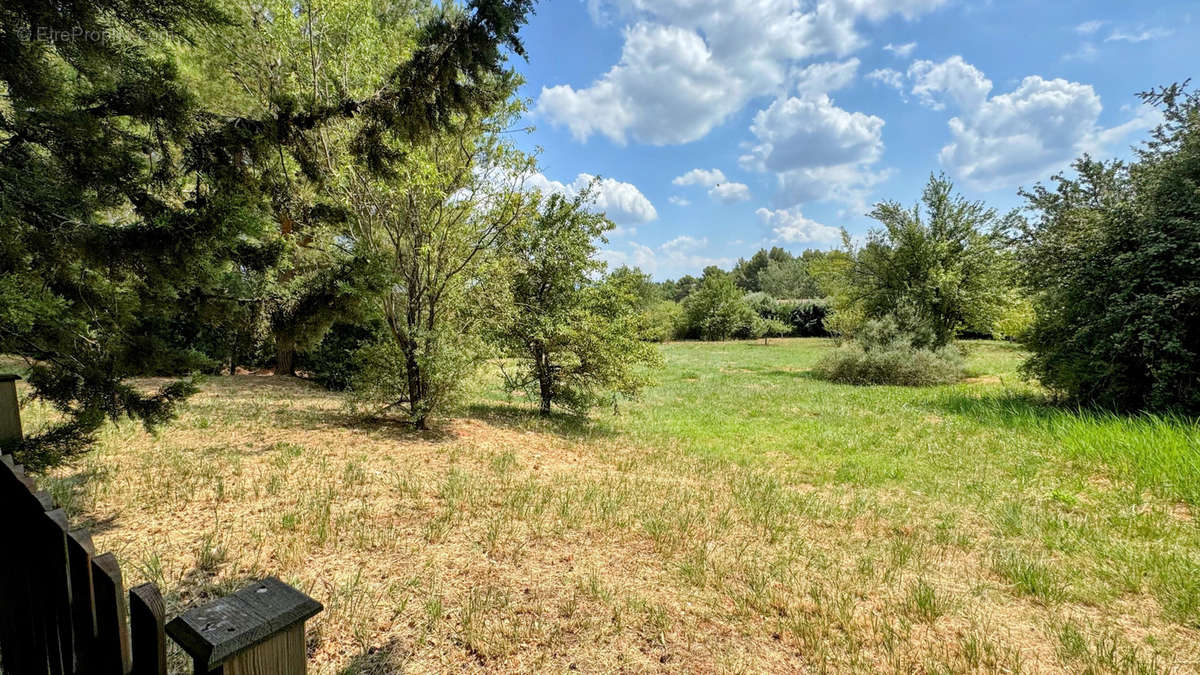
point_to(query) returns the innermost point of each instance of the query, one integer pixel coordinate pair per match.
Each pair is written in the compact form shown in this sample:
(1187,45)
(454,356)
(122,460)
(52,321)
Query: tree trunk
(285,357)
(416,392)
(545,377)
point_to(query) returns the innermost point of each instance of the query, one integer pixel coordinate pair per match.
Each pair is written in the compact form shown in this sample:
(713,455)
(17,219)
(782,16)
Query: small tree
(943,262)
(432,229)
(576,340)
(717,309)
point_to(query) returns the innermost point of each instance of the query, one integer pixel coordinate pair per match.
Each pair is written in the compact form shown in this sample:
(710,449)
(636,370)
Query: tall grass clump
(884,353)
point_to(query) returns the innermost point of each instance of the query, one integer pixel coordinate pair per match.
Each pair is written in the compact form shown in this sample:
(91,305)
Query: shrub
(805,318)
(662,321)
(885,353)
(717,310)
(1112,260)
(332,362)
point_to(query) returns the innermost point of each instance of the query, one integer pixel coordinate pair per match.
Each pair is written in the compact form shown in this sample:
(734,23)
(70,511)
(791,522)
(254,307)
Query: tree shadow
(526,418)
(1009,408)
(389,657)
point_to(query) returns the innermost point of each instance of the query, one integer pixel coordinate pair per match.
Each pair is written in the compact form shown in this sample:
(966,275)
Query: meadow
(741,516)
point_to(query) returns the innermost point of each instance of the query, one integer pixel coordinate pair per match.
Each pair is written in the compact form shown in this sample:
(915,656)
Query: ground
(742,517)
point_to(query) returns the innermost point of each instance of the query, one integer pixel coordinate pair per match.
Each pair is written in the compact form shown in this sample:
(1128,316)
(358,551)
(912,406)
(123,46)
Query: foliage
(883,352)
(577,341)
(431,228)
(944,261)
(792,279)
(1111,259)
(662,321)
(131,203)
(805,318)
(717,309)
(334,361)
(746,273)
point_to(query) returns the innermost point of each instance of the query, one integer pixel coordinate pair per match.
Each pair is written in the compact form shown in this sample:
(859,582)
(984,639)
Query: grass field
(743,516)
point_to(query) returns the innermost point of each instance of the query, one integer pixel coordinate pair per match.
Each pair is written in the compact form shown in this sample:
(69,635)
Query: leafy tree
(717,309)
(126,202)
(944,262)
(576,340)
(1111,260)
(432,228)
(678,290)
(746,272)
(790,279)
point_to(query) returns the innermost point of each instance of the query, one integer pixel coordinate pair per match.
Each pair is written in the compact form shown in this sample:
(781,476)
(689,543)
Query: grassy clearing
(743,516)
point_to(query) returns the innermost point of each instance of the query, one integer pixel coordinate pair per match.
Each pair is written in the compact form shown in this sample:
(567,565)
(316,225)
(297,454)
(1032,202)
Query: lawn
(742,516)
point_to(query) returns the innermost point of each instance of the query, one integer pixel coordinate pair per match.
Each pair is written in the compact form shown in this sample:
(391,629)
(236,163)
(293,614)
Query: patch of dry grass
(492,544)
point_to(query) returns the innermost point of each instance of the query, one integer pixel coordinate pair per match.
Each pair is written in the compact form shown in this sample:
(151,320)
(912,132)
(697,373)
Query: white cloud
(622,202)
(1021,135)
(964,83)
(705,177)
(1089,27)
(822,78)
(1119,35)
(792,227)
(797,133)
(679,256)
(720,188)
(817,150)
(730,193)
(891,78)
(1086,52)
(687,65)
(901,51)
(678,201)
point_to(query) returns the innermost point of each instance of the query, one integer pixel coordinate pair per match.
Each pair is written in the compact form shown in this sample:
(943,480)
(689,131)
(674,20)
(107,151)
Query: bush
(884,353)
(806,318)
(662,321)
(332,363)
(717,310)
(1112,261)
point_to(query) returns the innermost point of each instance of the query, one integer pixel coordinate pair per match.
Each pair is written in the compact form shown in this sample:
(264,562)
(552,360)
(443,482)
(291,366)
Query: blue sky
(723,126)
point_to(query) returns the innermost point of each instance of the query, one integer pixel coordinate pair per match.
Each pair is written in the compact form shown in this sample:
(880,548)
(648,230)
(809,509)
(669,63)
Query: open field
(741,517)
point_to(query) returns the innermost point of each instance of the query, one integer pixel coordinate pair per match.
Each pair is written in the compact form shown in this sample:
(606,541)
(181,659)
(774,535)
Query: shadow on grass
(1010,408)
(390,657)
(526,418)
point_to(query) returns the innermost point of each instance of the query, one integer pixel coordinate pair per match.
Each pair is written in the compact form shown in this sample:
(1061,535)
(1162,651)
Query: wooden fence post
(257,631)
(10,412)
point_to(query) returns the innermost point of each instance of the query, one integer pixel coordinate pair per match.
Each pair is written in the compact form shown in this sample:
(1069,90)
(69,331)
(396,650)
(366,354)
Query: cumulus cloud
(822,78)
(679,256)
(687,65)
(678,201)
(720,188)
(622,202)
(998,140)
(901,51)
(705,177)
(730,193)
(792,227)
(890,78)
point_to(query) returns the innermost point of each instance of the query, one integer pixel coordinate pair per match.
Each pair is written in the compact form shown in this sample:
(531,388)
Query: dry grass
(504,544)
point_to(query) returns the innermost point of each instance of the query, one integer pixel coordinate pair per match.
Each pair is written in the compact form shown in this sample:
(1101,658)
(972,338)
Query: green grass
(741,516)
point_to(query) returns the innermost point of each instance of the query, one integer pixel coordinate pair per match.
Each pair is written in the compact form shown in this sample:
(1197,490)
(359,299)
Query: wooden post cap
(216,632)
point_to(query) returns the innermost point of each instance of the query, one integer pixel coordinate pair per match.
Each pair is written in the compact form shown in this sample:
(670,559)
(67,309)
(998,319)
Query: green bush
(805,317)
(884,353)
(662,321)
(1112,262)
(717,310)
(333,363)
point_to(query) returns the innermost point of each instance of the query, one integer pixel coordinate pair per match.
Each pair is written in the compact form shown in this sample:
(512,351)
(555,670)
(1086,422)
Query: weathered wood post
(257,631)
(10,413)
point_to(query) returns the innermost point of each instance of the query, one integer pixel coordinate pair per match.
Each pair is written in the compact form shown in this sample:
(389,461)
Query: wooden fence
(63,608)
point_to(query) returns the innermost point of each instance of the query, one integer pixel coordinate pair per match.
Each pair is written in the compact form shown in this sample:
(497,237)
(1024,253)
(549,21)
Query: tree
(746,272)
(126,203)
(432,228)
(576,340)
(943,262)
(1111,260)
(717,309)
(789,279)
